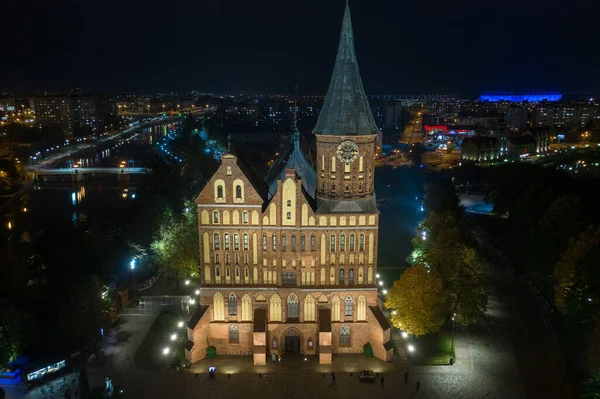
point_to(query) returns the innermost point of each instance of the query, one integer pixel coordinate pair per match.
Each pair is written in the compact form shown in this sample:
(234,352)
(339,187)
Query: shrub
(211,352)
(368,350)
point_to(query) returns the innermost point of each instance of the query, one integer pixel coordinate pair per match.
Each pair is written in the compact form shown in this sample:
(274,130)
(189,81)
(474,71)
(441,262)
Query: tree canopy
(419,301)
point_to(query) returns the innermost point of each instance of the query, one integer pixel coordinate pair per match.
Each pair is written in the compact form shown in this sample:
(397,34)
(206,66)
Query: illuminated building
(518,98)
(289,263)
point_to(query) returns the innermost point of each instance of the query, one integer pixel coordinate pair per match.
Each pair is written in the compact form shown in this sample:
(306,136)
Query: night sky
(403,46)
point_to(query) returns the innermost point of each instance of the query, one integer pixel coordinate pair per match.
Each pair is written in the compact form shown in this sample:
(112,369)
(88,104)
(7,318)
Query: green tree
(419,301)
(577,277)
(592,386)
(176,242)
(593,348)
(13,332)
(440,196)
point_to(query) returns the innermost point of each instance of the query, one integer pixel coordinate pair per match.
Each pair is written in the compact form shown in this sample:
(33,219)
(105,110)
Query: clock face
(347,151)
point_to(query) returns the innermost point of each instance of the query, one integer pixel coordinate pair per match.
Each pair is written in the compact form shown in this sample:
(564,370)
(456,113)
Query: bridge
(81,174)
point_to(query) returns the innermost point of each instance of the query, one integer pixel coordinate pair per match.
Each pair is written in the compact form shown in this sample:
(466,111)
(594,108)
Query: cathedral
(288,260)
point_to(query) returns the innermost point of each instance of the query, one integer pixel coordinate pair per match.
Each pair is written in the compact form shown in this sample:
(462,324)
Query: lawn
(432,349)
(150,353)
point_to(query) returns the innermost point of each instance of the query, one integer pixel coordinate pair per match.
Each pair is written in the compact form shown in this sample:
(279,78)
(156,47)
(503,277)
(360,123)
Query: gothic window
(226,236)
(343,242)
(352,242)
(274,242)
(332,242)
(293,243)
(236,241)
(226,259)
(302,243)
(292,306)
(347,188)
(351,276)
(219,191)
(238,191)
(246,260)
(361,242)
(289,215)
(264,241)
(217,258)
(232,304)
(245,242)
(217,271)
(312,242)
(345,335)
(348,307)
(245,217)
(216,238)
(237,259)
(342,276)
(234,334)
(215,217)
(289,202)
(283,243)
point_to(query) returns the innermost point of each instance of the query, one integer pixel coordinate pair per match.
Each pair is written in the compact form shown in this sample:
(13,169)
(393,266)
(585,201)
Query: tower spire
(295,134)
(346,110)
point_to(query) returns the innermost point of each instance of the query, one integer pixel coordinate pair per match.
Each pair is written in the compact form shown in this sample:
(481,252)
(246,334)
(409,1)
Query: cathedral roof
(346,110)
(292,157)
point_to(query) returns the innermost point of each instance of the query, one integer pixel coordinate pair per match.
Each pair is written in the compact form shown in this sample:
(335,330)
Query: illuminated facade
(518,98)
(289,261)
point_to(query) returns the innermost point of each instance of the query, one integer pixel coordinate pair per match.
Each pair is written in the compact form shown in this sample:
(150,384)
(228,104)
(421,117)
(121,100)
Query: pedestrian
(382,379)
(418,386)
(406,376)
(332,378)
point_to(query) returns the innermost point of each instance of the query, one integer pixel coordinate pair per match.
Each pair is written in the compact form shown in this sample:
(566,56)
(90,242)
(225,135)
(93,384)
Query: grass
(149,355)
(432,349)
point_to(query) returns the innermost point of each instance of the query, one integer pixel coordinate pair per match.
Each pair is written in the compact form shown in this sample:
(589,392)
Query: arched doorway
(292,341)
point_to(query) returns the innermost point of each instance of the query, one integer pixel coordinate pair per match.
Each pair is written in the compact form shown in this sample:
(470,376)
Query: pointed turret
(346,110)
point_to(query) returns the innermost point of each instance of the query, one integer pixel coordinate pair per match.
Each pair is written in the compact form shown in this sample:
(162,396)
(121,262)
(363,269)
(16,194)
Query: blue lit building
(517,98)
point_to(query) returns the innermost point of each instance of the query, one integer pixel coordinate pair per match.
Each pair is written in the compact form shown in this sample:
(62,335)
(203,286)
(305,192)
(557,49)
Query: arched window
(312,243)
(234,334)
(264,241)
(216,238)
(351,276)
(237,259)
(342,276)
(348,307)
(245,242)
(274,308)
(216,217)
(218,307)
(343,242)
(335,308)
(274,237)
(361,242)
(238,191)
(292,306)
(289,202)
(283,243)
(245,217)
(293,243)
(227,261)
(232,304)
(302,243)
(226,236)
(362,308)
(219,191)
(309,308)
(246,308)
(345,335)
(236,241)
(332,242)
(352,242)
(217,258)
(217,271)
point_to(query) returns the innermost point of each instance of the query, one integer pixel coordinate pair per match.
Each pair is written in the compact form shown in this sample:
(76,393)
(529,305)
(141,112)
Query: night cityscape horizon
(311,200)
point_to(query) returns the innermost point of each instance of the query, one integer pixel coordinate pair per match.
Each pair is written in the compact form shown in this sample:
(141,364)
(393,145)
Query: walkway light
(377,275)
(180,324)
(197,292)
(191,301)
(411,348)
(384,292)
(380,282)
(173,337)
(404,335)
(166,351)
(187,282)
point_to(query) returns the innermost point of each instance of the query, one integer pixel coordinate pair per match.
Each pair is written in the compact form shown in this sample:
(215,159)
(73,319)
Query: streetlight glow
(197,292)
(191,301)
(166,351)
(180,324)
(411,348)
(404,334)
(173,337)
(132,264)
(187,282)
(380,282)
(384,292)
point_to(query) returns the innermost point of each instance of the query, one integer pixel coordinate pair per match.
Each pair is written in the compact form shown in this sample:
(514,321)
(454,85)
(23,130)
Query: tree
(577,277)
(593,348)
(592,386)
(176,242)
(419,301)
(563,219)
(13,332)
(440,196)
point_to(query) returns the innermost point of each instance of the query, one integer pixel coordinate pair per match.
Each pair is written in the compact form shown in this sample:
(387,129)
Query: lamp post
(453,317)
(132,267)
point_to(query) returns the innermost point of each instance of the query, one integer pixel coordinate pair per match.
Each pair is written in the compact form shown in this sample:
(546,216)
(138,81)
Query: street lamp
(132,267)
(404,334)
(180,324)
(411,348)
(453,317)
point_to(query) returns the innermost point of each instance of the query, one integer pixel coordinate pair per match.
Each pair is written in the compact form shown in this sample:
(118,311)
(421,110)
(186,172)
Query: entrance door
(292,341)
